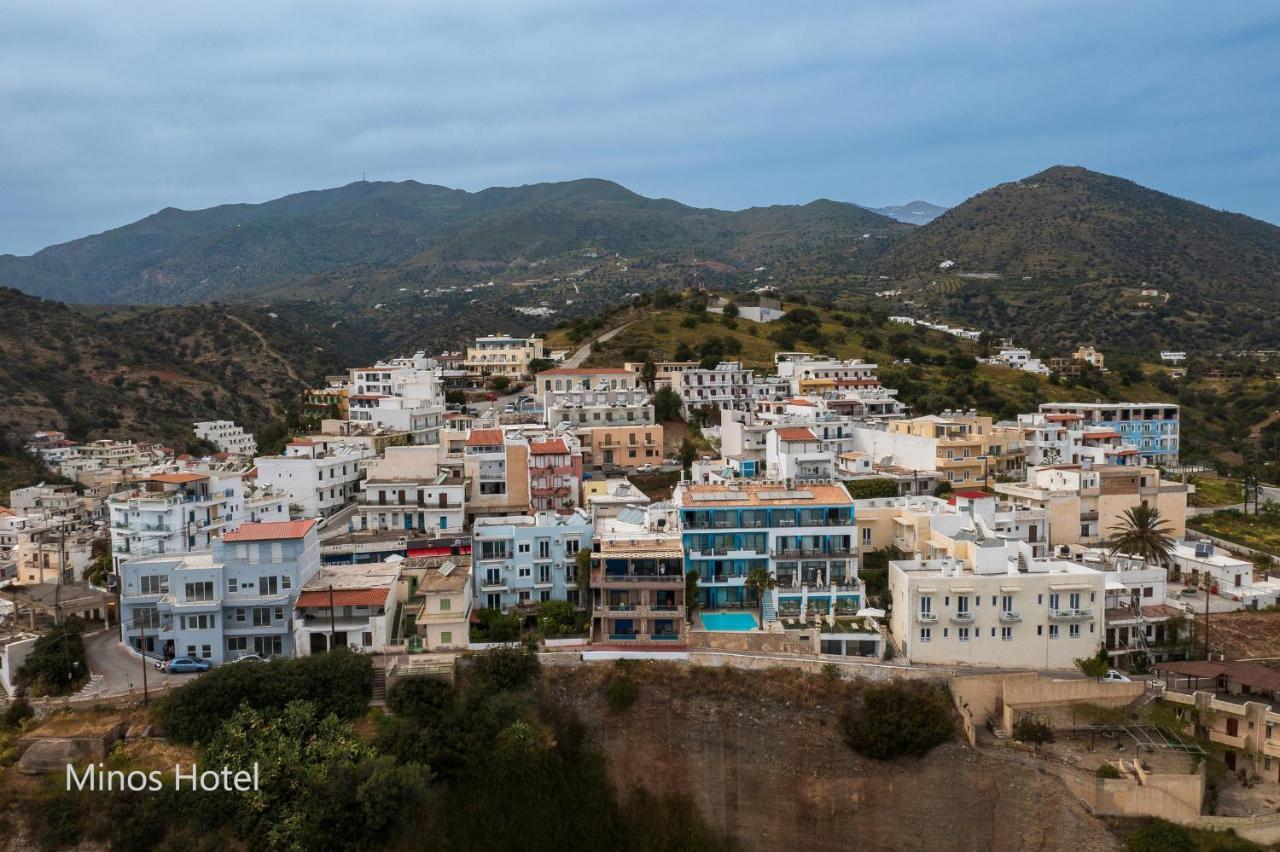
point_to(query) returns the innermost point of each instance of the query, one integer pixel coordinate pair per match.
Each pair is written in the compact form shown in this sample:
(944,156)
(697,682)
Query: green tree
(691,600)
(666,405)
(1030,730)
(731,309)
(649,373)
(1096,666)
(499,383)
(863,489)
(760,581)
(688,452)
(1142,532)
(56,664)
(582,576)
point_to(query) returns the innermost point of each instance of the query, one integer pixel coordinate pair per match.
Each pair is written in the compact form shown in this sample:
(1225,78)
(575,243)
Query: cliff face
(765,763)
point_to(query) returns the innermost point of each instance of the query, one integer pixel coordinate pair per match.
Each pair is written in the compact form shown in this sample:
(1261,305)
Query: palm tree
(1142,532)
(762,581)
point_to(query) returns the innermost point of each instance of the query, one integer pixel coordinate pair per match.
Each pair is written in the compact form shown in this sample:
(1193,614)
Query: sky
(112,110)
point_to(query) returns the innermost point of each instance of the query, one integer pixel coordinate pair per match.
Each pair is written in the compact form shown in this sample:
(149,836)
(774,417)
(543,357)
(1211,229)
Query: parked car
(251,658)
(183,665)
(509,408)
(1113,676)
(491,397)
(646,468)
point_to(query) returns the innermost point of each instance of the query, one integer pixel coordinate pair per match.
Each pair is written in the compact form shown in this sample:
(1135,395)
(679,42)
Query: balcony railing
(962,617)
(1010,615)
(1070,614)
(606,579)
(927,617)
(815,553)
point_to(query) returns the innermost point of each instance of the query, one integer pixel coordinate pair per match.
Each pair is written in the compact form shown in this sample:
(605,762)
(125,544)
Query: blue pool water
(728,621)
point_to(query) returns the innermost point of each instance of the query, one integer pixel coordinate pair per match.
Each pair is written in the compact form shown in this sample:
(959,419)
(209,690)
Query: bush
(1156,835)
(1029,730)
(504,668)
(57,664)
(423,699)
(898,719)
(17,713)
(494,626)
(1108,770)
(338,682)
(623,692)
(862,489)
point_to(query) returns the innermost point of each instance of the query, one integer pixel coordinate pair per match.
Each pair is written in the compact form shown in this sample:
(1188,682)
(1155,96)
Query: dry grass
(1243,635)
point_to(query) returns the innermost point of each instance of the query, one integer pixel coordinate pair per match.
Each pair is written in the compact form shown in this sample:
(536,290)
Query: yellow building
(502,355)
(441,591)
(969,450)
(624,446)
(1086,504)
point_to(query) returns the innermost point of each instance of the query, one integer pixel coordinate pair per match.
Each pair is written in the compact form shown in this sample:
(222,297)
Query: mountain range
(913,213)
(1063,255)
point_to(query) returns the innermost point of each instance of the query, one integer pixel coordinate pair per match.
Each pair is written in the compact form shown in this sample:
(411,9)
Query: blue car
(183,665)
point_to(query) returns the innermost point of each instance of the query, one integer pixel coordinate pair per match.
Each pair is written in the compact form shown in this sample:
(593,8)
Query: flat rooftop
(725,495)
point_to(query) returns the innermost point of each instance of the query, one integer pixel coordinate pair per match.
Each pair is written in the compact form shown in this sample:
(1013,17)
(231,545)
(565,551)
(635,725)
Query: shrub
(861,489)
(56,665)
(504,668)
(1108,770)
(623,692)
(17,713)
(898,719)
(338,682)
(1156,835)
(421,698)
(1030,730)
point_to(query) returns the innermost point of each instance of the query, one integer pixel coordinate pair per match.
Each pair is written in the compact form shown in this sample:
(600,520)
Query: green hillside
(381,236)
(1065,254)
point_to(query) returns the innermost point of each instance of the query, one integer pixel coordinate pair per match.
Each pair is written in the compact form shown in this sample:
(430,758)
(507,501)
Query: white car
(1113,676)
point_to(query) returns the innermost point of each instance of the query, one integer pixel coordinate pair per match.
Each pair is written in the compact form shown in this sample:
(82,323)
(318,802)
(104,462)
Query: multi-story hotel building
(1149,427)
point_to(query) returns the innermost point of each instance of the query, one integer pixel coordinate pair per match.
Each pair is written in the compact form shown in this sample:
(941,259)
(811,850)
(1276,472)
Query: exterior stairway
(379,686)
(770,606)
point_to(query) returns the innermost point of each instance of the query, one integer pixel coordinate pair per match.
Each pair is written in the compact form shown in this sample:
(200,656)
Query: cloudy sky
(112,110)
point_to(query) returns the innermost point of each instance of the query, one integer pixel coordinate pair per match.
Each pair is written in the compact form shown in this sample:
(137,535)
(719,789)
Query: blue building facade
(804,536)
(1152,428)
(528,559)
(220,604)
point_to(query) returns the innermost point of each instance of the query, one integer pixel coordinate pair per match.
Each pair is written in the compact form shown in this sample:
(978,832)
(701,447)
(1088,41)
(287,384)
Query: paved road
(576,359)
(121,671)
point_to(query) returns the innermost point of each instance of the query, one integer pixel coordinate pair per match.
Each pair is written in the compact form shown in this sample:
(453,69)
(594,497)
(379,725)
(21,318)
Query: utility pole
(1207,585)
(333,630)
(146,698)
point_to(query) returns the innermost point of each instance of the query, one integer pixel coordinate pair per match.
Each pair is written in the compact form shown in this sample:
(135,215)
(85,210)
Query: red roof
(974,495)
(553,447)
(270,531)
(798,401)
(1100,436)
(344,597)
(1060,418)
(796,433)
(484,437)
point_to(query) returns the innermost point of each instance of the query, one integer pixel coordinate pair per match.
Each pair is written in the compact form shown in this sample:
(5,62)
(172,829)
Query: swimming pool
(728,621)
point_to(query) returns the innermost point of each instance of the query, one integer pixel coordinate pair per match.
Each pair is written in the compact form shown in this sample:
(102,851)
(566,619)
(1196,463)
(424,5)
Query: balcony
(815,553)
(927,617)
(962,617)
(1227,739)
(604,579)
(1083,614)
(493,585)
(1009,616)
(1271,748)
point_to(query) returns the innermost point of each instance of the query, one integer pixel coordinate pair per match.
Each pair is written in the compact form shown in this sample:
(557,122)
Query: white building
(728,387)
(593,397)
(181,511)
(319,475)
(999,607)
(1228,575)
(795,453)
(1019,359)
(347,605)
(227,437)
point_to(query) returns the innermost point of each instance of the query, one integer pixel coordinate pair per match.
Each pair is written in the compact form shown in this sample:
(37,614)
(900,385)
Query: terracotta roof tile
(796,434)
(270,531)
(484,437)
(344,597)
(553,447)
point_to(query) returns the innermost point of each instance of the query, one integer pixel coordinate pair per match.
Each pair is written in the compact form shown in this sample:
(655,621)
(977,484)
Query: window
(237,644)
(268,585)
(198,622)
(926,634)
(963,634)
(1039,629)
(522,547)
(446,637)
(1053,631)
(366,639)
(962,604)
(279,613)
(1053,600)
(200,591)
(866,536)
(926,604)
(571,546)
(206,651)
(240,614)
(146,618)
(191,650)
(267,646)
(544,548)
(544,573)
(1074,631)
(232,585)
(524,572)
(1006,634)
(261,616)
(286,582)
(446,604)
(544,595)
(153,584)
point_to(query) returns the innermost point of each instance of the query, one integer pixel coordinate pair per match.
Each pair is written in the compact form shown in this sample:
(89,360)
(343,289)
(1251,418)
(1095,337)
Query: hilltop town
(681,509)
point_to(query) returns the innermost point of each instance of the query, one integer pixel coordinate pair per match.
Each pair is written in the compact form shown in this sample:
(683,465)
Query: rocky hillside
(149,373)
(761,755)
(411,234)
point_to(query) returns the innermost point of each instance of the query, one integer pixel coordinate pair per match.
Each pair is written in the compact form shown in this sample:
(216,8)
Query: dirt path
(576,359)
(1255,431)
(262,338)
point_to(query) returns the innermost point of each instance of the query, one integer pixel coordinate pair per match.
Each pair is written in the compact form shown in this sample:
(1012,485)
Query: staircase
(770,606)
(379,686)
